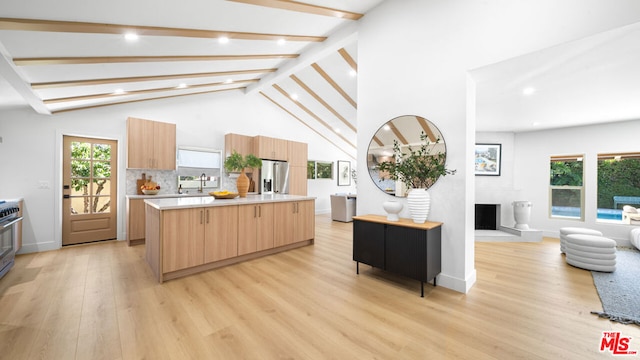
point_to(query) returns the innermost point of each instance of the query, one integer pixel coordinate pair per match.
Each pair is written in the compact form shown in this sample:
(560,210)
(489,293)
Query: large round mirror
(406,132)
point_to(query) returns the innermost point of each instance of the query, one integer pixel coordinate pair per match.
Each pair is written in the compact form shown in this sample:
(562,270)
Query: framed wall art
(488,159)
(344,173)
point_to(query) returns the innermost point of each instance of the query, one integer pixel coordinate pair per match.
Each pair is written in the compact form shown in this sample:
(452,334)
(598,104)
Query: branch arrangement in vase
(416,168)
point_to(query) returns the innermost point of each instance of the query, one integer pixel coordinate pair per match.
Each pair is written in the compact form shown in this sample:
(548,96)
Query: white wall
(414,57)
(499,189)
(31,148)
(533,151)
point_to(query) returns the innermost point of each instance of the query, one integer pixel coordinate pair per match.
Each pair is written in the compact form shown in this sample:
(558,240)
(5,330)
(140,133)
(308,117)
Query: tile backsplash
(168,180)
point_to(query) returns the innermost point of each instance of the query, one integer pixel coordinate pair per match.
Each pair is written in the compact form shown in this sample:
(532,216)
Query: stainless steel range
(9,221)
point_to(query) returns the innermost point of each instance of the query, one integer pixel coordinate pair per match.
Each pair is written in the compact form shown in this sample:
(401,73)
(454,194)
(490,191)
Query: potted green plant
(237,162)
(418,169)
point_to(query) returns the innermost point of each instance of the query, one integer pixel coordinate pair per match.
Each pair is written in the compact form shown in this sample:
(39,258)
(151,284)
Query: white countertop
(162,196)
(13,200)
(206,201)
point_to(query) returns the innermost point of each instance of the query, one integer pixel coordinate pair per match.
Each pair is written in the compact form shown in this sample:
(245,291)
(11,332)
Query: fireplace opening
(487,216)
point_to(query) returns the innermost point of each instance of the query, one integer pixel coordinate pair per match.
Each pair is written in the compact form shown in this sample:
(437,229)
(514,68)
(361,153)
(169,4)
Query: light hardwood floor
(101,302)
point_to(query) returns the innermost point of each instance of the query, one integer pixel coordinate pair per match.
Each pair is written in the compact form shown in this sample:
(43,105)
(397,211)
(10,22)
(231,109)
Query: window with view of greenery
(311,169)
(618,184)
(90,178)
(566,188)
(319,169)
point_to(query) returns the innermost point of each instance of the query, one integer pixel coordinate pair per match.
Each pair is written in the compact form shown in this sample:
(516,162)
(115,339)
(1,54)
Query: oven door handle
(11,222)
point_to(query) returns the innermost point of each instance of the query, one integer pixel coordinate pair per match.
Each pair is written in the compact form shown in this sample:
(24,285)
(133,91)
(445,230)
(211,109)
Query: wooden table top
(427,225)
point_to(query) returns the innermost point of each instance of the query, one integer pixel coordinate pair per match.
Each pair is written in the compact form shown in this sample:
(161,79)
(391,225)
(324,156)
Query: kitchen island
(188,235)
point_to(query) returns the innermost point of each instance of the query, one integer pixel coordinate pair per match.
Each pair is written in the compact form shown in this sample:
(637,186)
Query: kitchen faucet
(202,182)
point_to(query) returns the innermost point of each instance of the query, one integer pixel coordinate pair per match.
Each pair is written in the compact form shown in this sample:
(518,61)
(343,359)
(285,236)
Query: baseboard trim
(457,284)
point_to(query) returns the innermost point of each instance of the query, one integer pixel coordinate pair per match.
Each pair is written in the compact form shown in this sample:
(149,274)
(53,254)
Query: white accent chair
(343,208)
(634,237)
(630,215)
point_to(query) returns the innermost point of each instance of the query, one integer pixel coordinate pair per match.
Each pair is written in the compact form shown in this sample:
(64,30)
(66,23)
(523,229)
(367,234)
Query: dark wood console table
(402,247)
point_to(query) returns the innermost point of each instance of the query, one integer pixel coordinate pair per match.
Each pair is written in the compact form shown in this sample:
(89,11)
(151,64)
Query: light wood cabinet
(298,180)
(220,233)
(255,228)
(187,240)
(242,144)
(151,145)
(264,147)
(297,159)
(135,221)
(297,154)
(193,237)
(270,148)
(295,222)
(183,239)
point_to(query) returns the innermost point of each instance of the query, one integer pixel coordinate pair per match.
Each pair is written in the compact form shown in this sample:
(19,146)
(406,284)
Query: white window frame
(555,158)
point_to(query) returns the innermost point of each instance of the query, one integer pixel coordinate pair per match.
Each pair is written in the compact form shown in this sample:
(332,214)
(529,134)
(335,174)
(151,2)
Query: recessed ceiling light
(228,81)
(131,36)
(386,127)
(223,39)
(294,96)
(182,86)
(118,91)
(535,123)
(337,130)
(528,91)
(282,42)
(353,73)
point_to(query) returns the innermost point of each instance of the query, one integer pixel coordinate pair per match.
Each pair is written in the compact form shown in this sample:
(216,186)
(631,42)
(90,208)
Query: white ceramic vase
(392,208)
(522,214)
(419,205)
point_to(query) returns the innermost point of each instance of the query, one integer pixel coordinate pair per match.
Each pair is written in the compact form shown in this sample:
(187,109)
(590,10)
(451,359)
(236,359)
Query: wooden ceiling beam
(140,100)
(307,125)
(398,134)
(97,28)
(345,55)
(313,115)
(427,129)
(139,92)
(144,78)
(324,103)
(137,59)
(304,8)
(334,84)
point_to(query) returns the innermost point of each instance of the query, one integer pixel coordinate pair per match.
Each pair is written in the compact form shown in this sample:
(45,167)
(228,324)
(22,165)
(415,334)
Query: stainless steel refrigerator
(274,177)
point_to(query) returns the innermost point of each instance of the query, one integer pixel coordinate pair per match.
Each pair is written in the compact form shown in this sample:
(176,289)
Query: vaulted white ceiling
(68,55)
(587,81)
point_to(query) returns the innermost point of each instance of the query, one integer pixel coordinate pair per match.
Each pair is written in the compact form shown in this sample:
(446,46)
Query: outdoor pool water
(603,214)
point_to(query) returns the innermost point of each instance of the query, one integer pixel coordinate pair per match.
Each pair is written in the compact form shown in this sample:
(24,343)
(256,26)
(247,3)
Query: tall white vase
(419,205)
(522,214)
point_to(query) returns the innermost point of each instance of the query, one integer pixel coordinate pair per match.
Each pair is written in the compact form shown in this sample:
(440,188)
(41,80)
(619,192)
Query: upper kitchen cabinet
(270,148)
(242,144)
(297,154)
(151,145)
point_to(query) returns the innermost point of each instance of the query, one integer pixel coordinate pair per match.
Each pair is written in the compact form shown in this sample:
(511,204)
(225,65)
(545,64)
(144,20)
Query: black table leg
(421,288)
(357,267)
